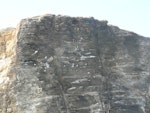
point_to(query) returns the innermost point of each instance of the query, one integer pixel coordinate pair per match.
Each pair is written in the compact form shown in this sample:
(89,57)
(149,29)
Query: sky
(132,15)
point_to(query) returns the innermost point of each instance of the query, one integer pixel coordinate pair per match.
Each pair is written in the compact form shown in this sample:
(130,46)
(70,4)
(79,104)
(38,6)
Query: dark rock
(76,65)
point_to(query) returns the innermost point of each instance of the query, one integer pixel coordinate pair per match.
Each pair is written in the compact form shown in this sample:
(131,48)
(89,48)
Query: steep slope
(75,65)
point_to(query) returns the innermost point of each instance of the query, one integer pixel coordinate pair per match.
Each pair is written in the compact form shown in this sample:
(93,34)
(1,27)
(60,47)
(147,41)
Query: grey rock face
(79,65)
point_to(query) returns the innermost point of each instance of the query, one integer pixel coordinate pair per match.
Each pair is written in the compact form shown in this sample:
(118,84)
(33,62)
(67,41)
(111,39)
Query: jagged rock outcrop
(59,64)
(8,42)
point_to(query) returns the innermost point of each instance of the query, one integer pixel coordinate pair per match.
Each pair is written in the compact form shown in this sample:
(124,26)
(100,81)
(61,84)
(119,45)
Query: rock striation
(60,64)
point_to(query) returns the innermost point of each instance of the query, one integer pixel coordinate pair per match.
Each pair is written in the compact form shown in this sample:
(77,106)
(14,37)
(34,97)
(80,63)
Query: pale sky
(132,15)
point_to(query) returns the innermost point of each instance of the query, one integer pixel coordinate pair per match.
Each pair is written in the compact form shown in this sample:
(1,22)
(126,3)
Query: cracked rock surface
(60,64)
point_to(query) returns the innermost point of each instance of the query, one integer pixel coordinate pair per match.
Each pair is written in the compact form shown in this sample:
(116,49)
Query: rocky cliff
(59,64)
